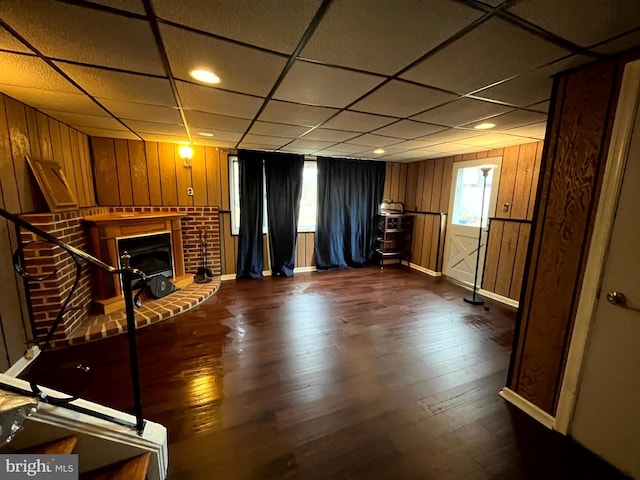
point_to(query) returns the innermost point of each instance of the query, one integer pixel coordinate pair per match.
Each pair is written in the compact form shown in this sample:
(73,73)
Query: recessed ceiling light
(378,151)
(484,126)
(205,76)
(205,134)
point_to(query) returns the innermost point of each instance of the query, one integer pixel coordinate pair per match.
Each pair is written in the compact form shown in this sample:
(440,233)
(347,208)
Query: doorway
(464,221)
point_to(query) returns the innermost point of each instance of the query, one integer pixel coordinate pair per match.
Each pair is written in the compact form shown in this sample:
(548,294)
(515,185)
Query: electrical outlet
(505,207)
(190,191)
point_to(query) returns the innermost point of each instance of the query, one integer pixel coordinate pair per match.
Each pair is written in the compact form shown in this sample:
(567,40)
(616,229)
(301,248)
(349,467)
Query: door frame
(493,201)
(598,249)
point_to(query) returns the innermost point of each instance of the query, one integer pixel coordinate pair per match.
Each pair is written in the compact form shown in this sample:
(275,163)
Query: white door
(463,223)
(607,415)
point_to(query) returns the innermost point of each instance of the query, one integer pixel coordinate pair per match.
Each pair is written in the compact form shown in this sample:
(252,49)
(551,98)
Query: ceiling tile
(139,111)
(461,111)
(216,122)
(401,99)
(70,32)
(272,25)
(26,71)
(409,129)
(103,132)
(156,137)
(121,86)
(214,143)
(256,146)
(48,100)
(349,148)
(314,144)
(315,84)
(153,127)
(218,136)
(299,150)
(619,44)
(515,140)
(11,43)
(514,119)
(537,130)
(274,142)
(541,106)
(331,135)
(241,69)
(80,120)
(584,22)
(484,140)
(277,129)
(370,140)
(134,6)
(359,122)
(331,153)
(451,135)
(386,35)
(294,114)
(532,87)
(213,100)
(493,51)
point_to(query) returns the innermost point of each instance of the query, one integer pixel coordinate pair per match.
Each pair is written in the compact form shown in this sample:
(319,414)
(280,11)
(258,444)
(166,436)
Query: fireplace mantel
(104,231)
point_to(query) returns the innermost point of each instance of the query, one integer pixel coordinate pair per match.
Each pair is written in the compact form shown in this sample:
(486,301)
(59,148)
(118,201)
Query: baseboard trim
(422,269)
(267,273)
(499,298)
(527,407)
(23,362)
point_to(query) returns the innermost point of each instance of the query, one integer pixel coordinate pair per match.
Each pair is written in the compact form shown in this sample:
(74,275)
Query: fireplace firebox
(149,253)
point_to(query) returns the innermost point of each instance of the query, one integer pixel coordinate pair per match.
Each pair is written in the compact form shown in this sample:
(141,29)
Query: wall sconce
(186,154)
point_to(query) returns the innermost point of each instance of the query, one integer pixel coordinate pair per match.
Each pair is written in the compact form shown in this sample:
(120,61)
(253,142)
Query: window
(468,197)
(308,199)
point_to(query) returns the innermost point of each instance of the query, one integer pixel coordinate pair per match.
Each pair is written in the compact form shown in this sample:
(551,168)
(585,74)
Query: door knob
(617,298)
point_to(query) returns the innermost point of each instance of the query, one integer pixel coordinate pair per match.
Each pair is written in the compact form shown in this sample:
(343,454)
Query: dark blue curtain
(250,254)
(349,194)
(283,176)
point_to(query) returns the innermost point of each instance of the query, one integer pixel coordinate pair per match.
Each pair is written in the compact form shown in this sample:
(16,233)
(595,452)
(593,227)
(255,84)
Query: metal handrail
(128,275)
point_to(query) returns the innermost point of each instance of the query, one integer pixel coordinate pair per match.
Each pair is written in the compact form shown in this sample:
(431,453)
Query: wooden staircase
(132,469)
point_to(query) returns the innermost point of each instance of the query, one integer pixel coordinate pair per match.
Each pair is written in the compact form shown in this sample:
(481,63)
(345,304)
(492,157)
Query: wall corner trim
(527,407)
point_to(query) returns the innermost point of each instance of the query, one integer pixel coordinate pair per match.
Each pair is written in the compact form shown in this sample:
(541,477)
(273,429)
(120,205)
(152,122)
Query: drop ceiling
(320,77)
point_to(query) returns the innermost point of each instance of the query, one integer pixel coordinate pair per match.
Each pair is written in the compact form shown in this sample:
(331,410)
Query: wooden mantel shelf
(130,216)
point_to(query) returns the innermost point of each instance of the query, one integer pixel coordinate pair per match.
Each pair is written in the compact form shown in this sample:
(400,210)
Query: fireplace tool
(204,274)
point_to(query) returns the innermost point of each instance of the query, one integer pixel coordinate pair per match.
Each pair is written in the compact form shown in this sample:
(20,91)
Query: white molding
(420,268)
(527,407)
(499,298)
(228,276)
(304,269)
(23,362)
(605,217)
(153,439)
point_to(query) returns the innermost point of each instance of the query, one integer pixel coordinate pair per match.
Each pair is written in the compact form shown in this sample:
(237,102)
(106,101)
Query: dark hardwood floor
(339,375)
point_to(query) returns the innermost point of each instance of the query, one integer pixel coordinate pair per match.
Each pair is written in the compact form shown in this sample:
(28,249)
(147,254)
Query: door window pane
(468,197)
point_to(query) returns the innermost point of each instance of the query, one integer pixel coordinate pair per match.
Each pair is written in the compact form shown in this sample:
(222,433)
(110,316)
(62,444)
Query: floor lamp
(473,299)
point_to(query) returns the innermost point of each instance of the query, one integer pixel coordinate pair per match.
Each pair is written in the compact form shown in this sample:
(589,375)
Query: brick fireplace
(47,297)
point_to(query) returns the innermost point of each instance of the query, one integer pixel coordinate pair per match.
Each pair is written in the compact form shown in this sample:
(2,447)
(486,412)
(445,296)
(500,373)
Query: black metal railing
(127,274)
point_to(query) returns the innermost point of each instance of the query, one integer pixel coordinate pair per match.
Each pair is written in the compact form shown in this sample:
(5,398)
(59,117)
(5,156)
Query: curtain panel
(250,261)
(349,194)
(283,176)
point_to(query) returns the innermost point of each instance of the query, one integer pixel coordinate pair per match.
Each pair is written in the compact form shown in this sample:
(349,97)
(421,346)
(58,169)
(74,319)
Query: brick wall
(205,219)
(42,259)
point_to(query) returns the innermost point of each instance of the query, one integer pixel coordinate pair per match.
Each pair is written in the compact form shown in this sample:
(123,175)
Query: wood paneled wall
(583,105)
(136,173)
(509,230)
(26,131)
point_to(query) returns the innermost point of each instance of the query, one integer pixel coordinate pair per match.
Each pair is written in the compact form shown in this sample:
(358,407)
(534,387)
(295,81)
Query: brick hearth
(48,296)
